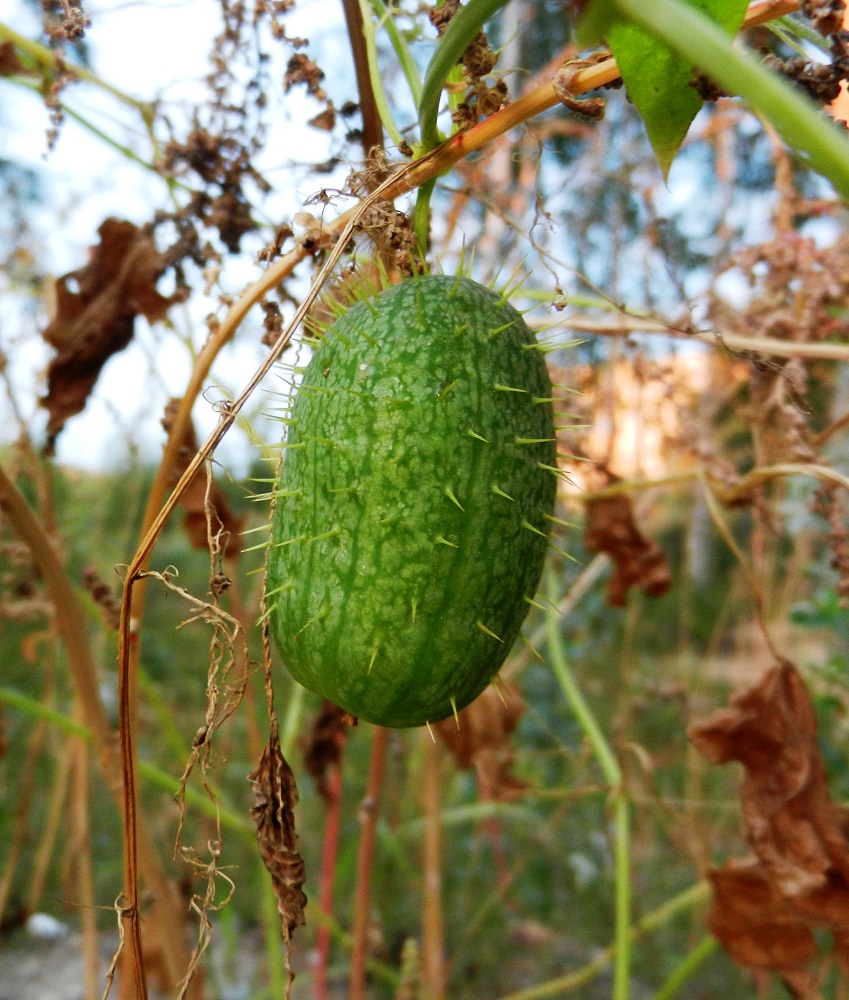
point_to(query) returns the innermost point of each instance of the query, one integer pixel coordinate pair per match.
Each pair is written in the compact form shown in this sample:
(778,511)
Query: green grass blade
(374,75)
(400,47)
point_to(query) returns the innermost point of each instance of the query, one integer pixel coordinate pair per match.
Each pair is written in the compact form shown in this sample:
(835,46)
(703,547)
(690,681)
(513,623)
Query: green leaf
(696,38)
(657,78)
(594,21)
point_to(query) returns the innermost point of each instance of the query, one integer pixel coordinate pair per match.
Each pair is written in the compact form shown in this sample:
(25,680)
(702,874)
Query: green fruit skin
(381,588)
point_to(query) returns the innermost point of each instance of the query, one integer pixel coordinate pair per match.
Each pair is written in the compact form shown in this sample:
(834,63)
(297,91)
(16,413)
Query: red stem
(329,855)
(365,857)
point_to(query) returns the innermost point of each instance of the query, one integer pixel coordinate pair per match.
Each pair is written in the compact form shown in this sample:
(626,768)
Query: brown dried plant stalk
(70,621)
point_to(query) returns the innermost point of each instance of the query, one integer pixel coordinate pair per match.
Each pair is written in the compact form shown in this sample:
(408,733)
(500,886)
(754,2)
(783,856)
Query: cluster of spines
(364,290)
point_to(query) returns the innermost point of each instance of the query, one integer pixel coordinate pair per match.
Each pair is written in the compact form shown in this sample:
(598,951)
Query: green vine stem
(154,776)
(659,917)
(706,947)
(270,920)
(621,810)
(461,31)
(400,47)
(695,37)
(421,217)
(90,127)
(45,60)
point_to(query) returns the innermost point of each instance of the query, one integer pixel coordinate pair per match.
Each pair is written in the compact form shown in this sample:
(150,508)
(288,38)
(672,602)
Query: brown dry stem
(372,125)
(70,621)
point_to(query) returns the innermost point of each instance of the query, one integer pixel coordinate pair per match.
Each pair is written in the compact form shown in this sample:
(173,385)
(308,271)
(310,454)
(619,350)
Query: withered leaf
(798,834)
(324,120)
(753,923)
(224,523)
(95,320)
(479,738)
(610,527)
(324,743)
(302,69)
(276,795)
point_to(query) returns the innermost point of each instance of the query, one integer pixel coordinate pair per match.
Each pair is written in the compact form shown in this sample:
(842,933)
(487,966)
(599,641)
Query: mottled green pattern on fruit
(391,547)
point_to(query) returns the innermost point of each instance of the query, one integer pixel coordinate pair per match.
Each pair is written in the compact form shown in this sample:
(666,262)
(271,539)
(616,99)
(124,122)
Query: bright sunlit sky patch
(153,51)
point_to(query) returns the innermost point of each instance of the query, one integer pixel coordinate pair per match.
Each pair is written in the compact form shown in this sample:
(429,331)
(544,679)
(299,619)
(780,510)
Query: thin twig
(433,931)
(365,861)
(372,126)
(625,325)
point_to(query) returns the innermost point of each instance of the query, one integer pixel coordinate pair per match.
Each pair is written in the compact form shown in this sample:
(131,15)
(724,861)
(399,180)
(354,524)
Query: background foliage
(565,847)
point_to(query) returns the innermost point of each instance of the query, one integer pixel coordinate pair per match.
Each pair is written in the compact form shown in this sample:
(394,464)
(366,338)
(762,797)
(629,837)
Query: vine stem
(623,326)
(686,900)
(460,32)
(703,950)
(365,861)
(725,493)
(621,809)
(47,59)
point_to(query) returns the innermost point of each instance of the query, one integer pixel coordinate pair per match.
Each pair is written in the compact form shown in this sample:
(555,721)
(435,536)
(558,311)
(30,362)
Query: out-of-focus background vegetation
(708,476)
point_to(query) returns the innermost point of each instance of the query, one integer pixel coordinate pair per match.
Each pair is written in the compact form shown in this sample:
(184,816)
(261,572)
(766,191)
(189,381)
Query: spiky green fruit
(410,524)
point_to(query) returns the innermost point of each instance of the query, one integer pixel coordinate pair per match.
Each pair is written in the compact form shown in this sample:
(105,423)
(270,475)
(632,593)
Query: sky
(159,50)
(155,51)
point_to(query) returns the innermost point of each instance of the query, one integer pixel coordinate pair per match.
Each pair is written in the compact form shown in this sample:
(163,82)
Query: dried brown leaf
(96,320)
(276,795)
(479,738)
(325,742)
(324,120)
(610,527)
(225,525)
(753,923)
(799,835)
(302,69)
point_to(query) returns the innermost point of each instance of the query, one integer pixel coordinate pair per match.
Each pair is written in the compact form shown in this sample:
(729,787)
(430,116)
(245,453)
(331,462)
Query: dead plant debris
(479,739)
(276,795)
(638,561)
(766,907)
(324,744)
(206,505)
(95,313)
